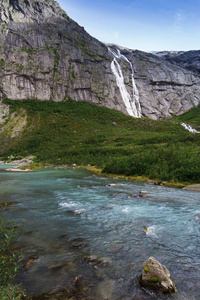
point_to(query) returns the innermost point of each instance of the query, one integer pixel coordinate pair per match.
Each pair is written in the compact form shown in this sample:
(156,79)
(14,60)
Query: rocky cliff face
(189,60)
(165,89)
(45,55)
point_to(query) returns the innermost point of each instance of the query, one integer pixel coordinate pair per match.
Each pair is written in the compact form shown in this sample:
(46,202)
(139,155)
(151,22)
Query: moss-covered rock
(157,277)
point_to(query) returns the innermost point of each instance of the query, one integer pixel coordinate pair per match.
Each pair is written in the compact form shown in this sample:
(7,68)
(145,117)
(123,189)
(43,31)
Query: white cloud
(179,18)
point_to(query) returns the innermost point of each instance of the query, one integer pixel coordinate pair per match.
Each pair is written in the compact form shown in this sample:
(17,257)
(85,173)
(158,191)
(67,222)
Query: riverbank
(180,185)
(28,165)
(84,134)
(193,187)
(143,179)
(25,164)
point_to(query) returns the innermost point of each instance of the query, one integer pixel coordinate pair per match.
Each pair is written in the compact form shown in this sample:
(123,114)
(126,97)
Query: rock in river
(157,277)
(78,242)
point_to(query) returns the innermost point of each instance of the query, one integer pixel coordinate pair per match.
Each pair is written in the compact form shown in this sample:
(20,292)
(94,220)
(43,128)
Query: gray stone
(156,276)
(192,187)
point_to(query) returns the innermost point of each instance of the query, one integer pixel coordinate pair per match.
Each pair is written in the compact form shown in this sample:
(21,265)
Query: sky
(147,25)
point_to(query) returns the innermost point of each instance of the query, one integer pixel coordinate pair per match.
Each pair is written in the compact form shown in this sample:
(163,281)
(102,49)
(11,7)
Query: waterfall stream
(132,103)
(189,128)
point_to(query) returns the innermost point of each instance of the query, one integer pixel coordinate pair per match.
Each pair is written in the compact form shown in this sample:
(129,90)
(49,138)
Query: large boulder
(157,277)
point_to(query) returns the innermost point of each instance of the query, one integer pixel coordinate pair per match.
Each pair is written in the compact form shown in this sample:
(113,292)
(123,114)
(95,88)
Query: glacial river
(61,205)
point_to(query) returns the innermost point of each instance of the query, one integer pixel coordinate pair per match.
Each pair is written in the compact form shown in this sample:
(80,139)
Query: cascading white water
(189,127)
(132,104)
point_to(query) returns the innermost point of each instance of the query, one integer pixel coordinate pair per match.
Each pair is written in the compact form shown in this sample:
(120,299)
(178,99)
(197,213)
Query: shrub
(12,292)
(10,261)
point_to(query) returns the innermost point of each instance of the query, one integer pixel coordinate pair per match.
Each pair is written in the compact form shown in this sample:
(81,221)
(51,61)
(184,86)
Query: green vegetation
(146,270)
(153,280)
(171,161)
(9,259)
(2,62)
(12,292)
(81,133)
(192,117)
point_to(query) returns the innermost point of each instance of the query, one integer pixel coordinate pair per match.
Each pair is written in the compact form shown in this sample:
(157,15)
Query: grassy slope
(192,117)
(77,132)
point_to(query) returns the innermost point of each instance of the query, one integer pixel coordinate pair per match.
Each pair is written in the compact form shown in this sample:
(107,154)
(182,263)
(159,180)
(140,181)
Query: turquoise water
(74,203)
(6,166)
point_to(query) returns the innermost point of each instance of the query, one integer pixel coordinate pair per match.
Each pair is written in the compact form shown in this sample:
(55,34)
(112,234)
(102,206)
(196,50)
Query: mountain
(45,55)
(188,59)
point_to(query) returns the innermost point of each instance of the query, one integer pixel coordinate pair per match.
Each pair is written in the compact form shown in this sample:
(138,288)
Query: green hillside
(81,133)
(192,117)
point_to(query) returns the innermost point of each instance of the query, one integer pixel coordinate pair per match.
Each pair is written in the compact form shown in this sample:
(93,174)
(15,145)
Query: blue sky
(148,25)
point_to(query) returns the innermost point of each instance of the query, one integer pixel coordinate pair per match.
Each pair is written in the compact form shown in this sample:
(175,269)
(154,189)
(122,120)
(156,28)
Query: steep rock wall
(45,55)
(189,60)
(165,89)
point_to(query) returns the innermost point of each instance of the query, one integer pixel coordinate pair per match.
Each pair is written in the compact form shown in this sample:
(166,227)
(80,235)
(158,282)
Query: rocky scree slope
(45,55)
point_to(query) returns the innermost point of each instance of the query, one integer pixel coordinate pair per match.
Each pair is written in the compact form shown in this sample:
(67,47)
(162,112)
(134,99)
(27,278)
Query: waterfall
(132,104)
(190,128)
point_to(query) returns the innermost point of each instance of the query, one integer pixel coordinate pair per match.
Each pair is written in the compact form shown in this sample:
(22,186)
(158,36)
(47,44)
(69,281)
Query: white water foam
(79,211)
(68,204)
(132,104)
(126,209)
(189,128)
(151,231)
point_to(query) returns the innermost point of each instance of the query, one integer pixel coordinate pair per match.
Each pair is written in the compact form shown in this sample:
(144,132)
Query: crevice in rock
(16,6)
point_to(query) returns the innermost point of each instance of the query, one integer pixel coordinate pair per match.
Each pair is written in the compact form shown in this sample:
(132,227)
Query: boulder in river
(143,194)
(156,276)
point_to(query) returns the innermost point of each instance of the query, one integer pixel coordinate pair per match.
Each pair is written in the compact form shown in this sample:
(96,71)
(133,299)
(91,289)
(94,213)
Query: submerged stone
(97,262)
(105,289)
(76,211)
(30,261)
(131,196)
(30,232)
(156,276)
(64,236)
(58,266)
(7,204)
(78,242)
(78,289)
(114,250)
